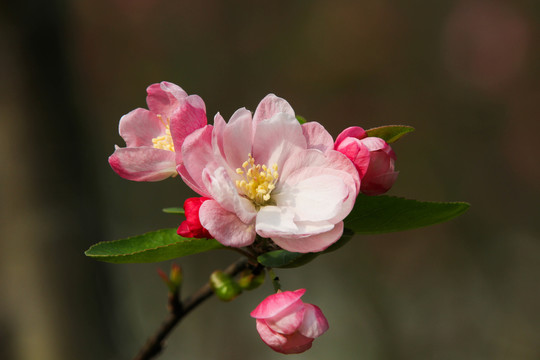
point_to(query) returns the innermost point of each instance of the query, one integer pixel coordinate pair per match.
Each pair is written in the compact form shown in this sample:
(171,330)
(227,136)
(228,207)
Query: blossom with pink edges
(287,324)
(373,158)
(153,136)
(268,175)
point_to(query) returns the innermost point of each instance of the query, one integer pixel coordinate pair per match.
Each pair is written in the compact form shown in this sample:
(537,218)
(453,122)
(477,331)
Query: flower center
(164,142)
(258,181)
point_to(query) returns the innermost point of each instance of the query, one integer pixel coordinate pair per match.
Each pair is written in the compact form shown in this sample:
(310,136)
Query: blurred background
(464,73)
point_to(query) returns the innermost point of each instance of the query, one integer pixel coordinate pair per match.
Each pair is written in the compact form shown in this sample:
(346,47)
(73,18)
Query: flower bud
(373,158)
(287,324)
(174,280)
(224,286)
(191,227)
(249,281)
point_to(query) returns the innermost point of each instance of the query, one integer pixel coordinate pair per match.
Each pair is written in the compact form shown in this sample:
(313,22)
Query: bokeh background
(464,73)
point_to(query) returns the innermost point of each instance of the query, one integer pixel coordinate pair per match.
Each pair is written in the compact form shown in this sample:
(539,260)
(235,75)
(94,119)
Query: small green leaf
(301,119)
(382,214)
(154,246)
(287,259)
(174,210)
(390,133)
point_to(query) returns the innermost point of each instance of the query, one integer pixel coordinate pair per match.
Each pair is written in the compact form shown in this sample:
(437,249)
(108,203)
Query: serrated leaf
(154,246)
(174,210)
(288,259)
(383,214)
(301,119)
(390,133)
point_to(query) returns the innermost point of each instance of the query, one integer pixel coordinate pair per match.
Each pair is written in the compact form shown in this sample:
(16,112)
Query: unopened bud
(249,281)
(224,286)
(174,280)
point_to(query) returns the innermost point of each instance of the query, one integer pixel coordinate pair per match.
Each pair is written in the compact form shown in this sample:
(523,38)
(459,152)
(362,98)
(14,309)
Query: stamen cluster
(258,181)
(164,142)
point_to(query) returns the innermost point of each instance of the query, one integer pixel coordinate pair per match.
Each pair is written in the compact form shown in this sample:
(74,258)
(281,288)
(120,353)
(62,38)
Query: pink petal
(277,139)
(314,243)
(374,143)
(314,194)
(197,154)
(237,138)
(357,152)
(225,226)
(380,184)
(143,163)
(288,320)
(353,131)
(273,220)
(185,120)
(285,344)
(314,323)
(317,137)
(270,106)
(276,303)
(221,189)
(163,97)
(139,127)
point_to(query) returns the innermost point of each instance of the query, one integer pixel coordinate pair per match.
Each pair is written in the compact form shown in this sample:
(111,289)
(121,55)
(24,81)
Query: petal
(270,106)
(185,119)
(274,220)
(139,127)
(374,143)
(285,344)
(353,131)
(225,226)
(143,163)
(222,190)
(276,303)
(357,152)
(277,139)
(197,155)
(316,194)
(317,137)
(314,243)
(163,97)
(288,320)
(237,136)
(314,323)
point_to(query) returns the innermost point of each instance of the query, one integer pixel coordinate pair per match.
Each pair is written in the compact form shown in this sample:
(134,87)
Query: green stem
(275,280)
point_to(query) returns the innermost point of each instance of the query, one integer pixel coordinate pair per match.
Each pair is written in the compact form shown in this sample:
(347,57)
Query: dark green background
(464,73)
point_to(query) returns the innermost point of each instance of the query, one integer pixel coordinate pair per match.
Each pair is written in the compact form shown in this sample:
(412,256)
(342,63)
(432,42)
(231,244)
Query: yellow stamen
(164,142)
(258,181)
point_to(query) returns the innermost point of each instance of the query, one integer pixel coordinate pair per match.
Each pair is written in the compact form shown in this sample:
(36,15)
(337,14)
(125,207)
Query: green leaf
(287,259)
(301,119)
(154,246)
(174,210)
(382,214)
(390,133)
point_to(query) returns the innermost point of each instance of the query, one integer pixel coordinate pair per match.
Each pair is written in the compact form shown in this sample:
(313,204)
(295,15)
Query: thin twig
(178,310)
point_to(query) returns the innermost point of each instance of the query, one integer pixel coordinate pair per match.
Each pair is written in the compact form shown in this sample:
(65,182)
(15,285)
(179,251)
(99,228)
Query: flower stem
(275,280)
(179,309)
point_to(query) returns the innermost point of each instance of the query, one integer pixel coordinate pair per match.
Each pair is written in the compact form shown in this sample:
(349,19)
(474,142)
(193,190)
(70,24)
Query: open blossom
(373,158)
(153,135)
(191,227)
(268,175)
(287,324)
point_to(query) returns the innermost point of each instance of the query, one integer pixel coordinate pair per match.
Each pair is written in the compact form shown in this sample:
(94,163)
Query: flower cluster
(260,175)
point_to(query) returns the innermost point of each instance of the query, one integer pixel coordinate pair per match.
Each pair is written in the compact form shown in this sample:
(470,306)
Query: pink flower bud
(373,158)
(191,227)
(287,324)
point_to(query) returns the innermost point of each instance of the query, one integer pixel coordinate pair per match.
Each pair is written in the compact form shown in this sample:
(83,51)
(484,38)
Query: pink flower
(373,158)
(271,176)
(153,135)
(288,325)
(191,227)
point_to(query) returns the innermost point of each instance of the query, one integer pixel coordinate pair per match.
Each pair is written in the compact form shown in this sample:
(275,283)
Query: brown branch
(178,310)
